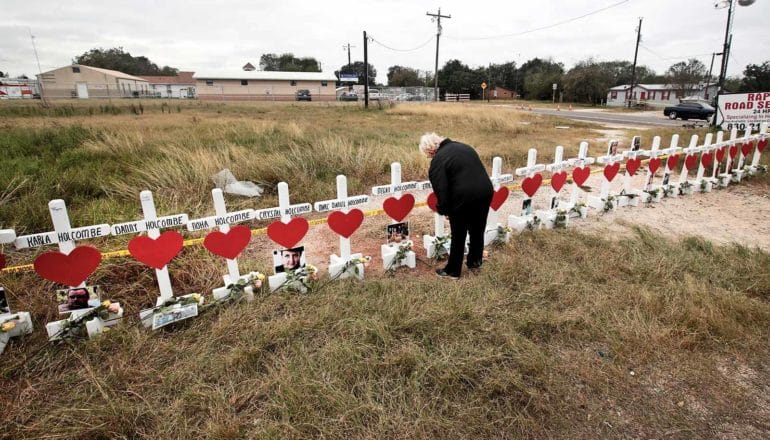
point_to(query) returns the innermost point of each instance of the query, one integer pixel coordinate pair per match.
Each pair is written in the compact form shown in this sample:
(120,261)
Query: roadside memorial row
(86,311)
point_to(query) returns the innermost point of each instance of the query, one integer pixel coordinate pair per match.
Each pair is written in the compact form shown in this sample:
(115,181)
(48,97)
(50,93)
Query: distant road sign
(348,77)
(483,85)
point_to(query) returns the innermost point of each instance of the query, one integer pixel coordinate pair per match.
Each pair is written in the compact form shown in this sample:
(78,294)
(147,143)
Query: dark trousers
(472,222)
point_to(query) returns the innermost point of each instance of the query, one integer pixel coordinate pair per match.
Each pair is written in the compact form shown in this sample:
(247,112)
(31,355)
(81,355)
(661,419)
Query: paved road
(617,118)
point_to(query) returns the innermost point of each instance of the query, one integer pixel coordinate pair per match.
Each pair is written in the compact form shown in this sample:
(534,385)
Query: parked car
(348,96)
(303,95)
(689,110)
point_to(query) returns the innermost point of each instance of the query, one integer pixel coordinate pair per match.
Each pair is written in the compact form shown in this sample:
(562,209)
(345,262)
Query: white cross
(342,203)
(579,162)
(691,149)
(741,157)
(719,143)
(757,154)
(531,168)
(285,210)
(152,224)
(706,148)
(558,165)
(498,179)
(223,220)
(64,234)
(728,159)
(607,160)
(631,155)
(7,236)
(396,187)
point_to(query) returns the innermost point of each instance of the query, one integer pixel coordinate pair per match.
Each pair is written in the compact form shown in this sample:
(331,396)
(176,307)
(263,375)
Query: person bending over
(463,191)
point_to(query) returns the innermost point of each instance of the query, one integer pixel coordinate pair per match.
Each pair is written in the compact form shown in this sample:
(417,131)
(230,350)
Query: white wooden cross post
(284,211)
(630,196)
(719,145)
(706,159)
(152,224)
(655,162)
(580,173)
(762,139)
(501,194)
(732,152)
(389,251)
(430,242)
(607,201)
(744,149)
(21,321)
(689,158)
(558,170)
(344,224)
(65,236)
(527,217)
(222,220)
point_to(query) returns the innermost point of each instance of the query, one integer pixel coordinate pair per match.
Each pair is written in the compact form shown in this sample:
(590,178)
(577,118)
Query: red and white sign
(743,110)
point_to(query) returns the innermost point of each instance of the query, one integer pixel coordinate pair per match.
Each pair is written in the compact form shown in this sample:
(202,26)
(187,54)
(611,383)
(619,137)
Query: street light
(730,4)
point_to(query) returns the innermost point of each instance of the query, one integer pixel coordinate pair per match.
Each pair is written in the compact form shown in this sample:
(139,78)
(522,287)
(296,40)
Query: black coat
(459,179)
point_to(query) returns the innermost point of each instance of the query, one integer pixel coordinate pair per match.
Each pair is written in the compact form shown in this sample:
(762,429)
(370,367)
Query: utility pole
(437,17)
(725,57)
(366,71)
(39,70)
(633,69)
(708,78)
(347,46)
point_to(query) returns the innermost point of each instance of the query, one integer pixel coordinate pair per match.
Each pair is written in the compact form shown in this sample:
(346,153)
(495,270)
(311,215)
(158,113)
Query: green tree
(399,76)
(456,77)
(538,76)
(588,81)
(118,59)
(287,62)
(685,76)
(503,75)
(2,74)
(756,78)
(359,68)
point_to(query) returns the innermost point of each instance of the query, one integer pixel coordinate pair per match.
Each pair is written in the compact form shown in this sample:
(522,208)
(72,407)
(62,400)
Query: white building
(656,95)
(180,86)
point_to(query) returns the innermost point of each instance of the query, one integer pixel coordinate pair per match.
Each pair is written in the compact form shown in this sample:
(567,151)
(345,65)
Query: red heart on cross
(761,145)
(672,161)
(706,158)
(432,202)
(530,185)
(288,234)
(654,164)
(632,165)
(2,261)
(229,244)
(610,171)
(690,160)
(398,209)
(733,151)
(558,180)
(345,224)
(746,148)
(721,154)
(580,175)
(499,197)
(68,269)
(156,252)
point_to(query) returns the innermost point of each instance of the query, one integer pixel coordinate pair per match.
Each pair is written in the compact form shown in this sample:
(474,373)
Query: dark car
(689,110)
(348,96)
(303,95)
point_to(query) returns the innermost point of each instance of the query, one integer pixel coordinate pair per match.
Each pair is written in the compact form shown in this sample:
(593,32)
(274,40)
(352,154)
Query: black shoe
(444,274)
(475,265)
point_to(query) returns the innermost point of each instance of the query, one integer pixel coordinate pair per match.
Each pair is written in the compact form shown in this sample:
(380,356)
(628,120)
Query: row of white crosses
(70,266)
(22,321)
(529,185)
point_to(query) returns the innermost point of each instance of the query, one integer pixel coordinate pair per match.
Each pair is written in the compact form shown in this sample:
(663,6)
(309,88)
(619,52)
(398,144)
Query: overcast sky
(203,35)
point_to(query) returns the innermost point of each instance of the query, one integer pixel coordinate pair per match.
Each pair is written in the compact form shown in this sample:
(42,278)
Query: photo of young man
(77,298)
(397,232)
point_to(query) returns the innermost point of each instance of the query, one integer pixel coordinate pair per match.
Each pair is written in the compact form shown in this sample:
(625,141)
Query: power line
(570,20)
(402,50)
(682,57)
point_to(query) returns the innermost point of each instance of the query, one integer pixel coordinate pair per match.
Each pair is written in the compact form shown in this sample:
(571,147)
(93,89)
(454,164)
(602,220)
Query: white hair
(429,143)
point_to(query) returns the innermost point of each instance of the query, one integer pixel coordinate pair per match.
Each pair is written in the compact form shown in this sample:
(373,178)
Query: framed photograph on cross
(285,260)
(77,298)
(397,232)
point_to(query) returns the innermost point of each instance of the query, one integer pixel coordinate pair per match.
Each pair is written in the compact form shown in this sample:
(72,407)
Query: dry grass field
(563,334)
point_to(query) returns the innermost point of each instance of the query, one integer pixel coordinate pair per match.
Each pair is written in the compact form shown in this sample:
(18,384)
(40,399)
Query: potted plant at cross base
(610,204)
(561,219)
(705,186)
(654,195)
(579,209)
(668,191)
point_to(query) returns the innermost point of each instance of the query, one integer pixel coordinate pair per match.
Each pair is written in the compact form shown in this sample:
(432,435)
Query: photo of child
(4,307)
(636,143)
(526,207)
(289,259)
(612,147)
(397,232)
